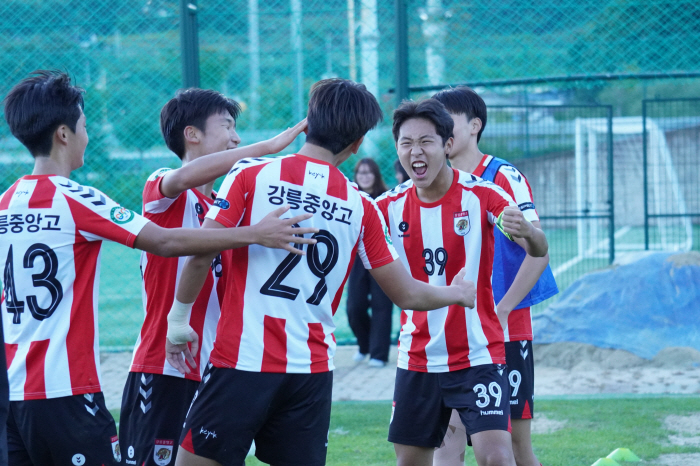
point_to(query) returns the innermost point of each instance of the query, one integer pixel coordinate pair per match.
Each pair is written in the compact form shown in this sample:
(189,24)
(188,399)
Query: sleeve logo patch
(221,203)
(121,215)
(526,206)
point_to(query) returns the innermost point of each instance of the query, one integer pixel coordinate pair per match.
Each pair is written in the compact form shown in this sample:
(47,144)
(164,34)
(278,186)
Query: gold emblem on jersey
(462,223)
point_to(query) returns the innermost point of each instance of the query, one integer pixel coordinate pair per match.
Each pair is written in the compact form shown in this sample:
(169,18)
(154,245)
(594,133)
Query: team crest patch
(115,449)
(462,223)
(121,215)
(163,452)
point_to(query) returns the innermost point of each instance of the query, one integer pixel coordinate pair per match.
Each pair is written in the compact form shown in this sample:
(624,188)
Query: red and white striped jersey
(160,278)
(434,241)
(51,232)
(277,313)
(514,183)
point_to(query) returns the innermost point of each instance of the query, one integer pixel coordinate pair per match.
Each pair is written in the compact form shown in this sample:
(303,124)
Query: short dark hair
(39,104)
(463,100)
(428,109)
(192,107)
(340,113)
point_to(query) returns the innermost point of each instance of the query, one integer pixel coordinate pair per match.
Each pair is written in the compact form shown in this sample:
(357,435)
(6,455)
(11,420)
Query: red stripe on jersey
(493,202)
(274,357)
(5,201)
(337,185)
(291,171)
(456,340)
(227,344)
(318,348)
(187,442)
(87,220)
(339,293)
(81,334)
(413,246)
(42,196)
(501,181)
(35,384)
(10,350)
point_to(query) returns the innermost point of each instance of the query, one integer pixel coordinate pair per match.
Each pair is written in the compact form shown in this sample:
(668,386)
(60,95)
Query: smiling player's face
(220,134)
(422,153)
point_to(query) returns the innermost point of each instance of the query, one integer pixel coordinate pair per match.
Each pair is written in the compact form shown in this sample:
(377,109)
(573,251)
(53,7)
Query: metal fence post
(645,174)
(611,184)
(401,50)
(189,43)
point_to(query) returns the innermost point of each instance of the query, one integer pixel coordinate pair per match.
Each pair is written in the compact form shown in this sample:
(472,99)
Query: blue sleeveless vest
(509,256)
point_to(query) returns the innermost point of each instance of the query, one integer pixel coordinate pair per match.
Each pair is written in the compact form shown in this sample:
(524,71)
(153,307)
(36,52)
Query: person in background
(373,332)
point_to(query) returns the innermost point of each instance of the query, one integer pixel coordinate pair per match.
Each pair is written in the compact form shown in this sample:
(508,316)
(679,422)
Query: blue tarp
(641,307)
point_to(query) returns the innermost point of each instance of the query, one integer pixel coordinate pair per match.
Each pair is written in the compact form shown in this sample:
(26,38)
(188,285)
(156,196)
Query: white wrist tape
(179,330)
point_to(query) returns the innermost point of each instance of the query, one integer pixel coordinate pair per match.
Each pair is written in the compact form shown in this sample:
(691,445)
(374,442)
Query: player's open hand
(177,354)
(281,233)
(467,289)
(285,138)
(515,224)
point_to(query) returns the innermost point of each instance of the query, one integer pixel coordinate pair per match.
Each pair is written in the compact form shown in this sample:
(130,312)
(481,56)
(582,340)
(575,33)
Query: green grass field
(590,429)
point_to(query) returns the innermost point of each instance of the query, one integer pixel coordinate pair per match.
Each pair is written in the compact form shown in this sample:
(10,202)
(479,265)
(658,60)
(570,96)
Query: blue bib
(508,256)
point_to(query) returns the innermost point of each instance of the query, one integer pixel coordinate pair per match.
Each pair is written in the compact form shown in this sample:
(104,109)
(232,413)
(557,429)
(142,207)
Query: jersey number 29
(320,268)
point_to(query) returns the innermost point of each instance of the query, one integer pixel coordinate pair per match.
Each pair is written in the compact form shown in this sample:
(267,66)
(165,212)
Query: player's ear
(476,125)
(448,146)
(355,146)
(191,134)
(62,134)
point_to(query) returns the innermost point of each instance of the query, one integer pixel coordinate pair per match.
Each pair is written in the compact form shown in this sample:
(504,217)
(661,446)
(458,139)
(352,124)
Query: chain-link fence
(127,55)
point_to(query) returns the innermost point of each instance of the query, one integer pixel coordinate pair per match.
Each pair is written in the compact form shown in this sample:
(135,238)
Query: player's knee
(497,457)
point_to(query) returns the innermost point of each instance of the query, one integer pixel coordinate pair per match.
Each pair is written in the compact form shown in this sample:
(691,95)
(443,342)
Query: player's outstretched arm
(528,236)
(206,169)
(409,293)
(272,232)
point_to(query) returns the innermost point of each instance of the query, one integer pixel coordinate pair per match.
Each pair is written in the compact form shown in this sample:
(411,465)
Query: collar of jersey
(455,180)
(313,160)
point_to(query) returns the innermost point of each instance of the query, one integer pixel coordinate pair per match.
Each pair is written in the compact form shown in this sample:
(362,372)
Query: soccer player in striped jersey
(199,126)
(269,376)
(51,232)
(452,358)
(519,279)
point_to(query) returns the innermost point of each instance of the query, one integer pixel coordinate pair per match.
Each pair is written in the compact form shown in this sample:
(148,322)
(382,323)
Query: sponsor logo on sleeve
(163,452)
(462,224)
(387,236)
(526,206)
(222,204)
(121,215)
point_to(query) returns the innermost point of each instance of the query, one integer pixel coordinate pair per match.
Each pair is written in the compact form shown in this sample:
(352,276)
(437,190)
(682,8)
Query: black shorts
(154,407)
(71,430)
(423,402)
(521,376)
(288,416)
